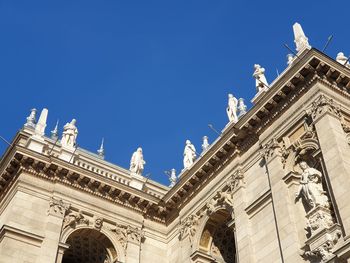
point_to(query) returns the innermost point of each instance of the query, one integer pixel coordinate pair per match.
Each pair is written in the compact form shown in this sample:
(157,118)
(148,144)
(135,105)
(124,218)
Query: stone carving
(324,252)
(235,180)
(271,149)
(261,82)
(172,177)
(189,154)
(301,41)
(137,163)
(342,59)
(311,189)
(41,125)
(205,144)
(57,207)
(70,133)
(322,105)
(31,119)
(73,219)
(318,219)
(241,107)
(232,108)
(189,227)
(98,222)
(290,59)
(127,233)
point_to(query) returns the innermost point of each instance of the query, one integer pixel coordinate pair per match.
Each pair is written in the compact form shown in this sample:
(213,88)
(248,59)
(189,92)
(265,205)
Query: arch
(105,241)
(216,236)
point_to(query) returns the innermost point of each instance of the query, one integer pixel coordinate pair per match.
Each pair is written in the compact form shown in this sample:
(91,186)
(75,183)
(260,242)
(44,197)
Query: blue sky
(147,73)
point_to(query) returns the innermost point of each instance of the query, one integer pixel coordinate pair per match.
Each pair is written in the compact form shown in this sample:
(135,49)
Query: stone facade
(272,188)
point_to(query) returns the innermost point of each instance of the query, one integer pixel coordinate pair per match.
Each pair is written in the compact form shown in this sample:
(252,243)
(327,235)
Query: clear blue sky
(147,73)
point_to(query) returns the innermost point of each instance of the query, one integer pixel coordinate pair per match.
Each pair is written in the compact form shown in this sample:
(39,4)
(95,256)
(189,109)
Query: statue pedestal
(36,143)
(258,96)
(66,153)
(137,181)
(324,234)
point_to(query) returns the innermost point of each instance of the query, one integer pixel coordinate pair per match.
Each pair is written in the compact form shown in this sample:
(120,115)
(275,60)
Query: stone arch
(106,249)
(215,239)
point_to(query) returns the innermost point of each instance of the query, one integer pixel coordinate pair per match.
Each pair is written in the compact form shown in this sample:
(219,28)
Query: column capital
(324,105)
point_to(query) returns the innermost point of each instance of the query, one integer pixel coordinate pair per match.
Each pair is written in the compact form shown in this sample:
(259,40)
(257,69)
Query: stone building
(272,188)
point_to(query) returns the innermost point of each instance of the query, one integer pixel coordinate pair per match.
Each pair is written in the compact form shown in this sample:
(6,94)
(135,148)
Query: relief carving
(271,149)
(72,219)
(128,233)
(98,222)
(189,227)
(323,105)
(57,207)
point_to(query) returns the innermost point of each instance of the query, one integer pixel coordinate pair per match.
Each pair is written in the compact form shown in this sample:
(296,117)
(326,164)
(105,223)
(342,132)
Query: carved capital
(271,149)
(57,207)
(128,233)
(235,181)
(189,227)
(323,105)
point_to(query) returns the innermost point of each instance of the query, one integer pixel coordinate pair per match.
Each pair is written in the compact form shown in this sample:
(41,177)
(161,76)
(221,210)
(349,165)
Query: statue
(31,119)
(189,154)
(232,108)
(259,75)
(70,133)
(205,144)
(137,163)
(290,59)
(172,177)
(241,107)
(342,59)
(311,188)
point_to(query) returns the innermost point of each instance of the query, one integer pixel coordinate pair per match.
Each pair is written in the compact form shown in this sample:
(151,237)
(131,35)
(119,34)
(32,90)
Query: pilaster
(283,205)
(336,154)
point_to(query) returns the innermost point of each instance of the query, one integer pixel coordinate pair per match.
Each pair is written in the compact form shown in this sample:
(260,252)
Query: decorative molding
(271,149)
(128,233)
(57,207)
(323,105)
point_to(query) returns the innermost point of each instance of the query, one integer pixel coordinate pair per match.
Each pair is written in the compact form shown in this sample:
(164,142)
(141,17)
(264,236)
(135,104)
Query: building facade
(272,188)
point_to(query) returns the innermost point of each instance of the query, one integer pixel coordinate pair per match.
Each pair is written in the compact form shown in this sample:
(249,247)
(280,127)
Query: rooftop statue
(70,133)
(342,59)
(301,41)
(241,107)
(137,163)
(259,75)
(290,59)
(232,108)
(205,144)
(189,154)
(172,177)
(311,189)
(31,119)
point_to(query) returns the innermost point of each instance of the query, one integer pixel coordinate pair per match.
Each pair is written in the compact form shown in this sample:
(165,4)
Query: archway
(89,246)
(217,239)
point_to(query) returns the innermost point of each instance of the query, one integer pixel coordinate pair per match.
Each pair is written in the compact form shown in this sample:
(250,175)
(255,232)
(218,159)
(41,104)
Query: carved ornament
(57,207)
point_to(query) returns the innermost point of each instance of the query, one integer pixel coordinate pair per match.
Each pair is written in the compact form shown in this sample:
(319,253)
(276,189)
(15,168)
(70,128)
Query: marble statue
(311,189)
(41,125)
(172,177)
(205,144)
(189,154)
(342,59)
(290,59)
(301,41)
(137,163)
(232,108)
(259,75)
(241,107)
(70,133)
(31,119)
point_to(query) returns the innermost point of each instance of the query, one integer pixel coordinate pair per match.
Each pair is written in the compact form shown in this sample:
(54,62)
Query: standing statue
(189,154)
(172,178)
(70,133)
(342,59)
(137,163)
(311,189)
(232,108)
(259,75)
(241,107)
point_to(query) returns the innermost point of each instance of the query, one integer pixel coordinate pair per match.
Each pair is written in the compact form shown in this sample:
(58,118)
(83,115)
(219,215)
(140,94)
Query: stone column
(133,252)
(283,206)
(336,155)
(55,214)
